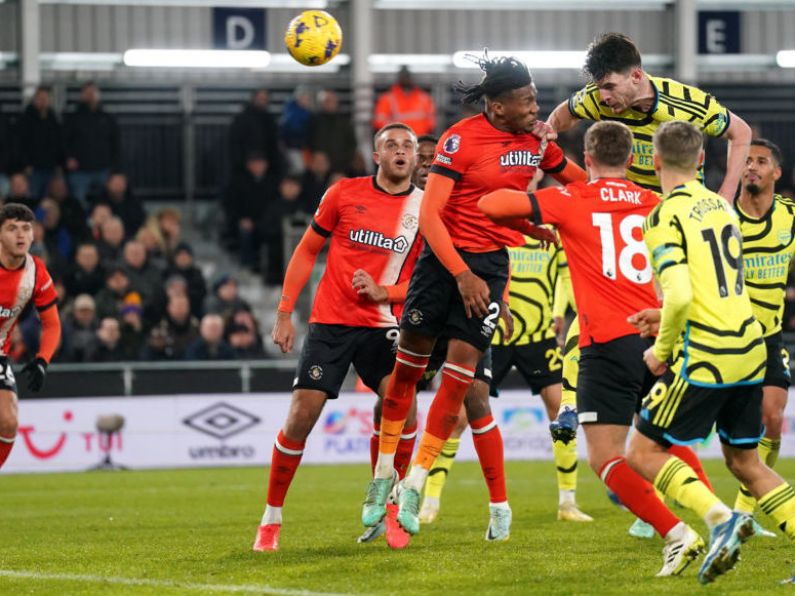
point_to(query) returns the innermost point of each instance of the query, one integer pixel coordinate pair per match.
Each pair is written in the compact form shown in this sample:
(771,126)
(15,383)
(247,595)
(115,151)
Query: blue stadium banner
(239,28)
(718,32)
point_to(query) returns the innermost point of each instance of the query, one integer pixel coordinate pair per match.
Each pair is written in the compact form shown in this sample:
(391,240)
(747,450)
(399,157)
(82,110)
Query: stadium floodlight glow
(786,59)
(534,60)
(80,60)
(384,63)
(318,4)
(151,58)
(286,63)
(523,5)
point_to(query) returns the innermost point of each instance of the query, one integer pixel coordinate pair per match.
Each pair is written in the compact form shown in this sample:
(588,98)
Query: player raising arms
(767,225)
(599,223)
(23,279)
(716,375)
(373,224)
(458,282)
(620,90)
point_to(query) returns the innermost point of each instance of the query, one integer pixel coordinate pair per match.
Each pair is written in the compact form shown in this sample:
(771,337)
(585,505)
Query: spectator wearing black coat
(86,275)
(73,215)
(19,192)
(6,142)
(109,344)
(182,266)
(124,205)
(40,139)
(255,130)
(211,344)
(245,203)
(92,144)
(79,339)
(333,132)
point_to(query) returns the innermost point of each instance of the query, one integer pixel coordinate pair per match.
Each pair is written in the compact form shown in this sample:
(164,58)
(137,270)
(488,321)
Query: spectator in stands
(73,215)
(6,142)
(169,222)
(358,166)
(245,202)
(182,266)
(145,277)
(124,205)
(79,339)
(315,180)
(255,129)
(170,338)
(56,236)
(40,142)
(211,344)
(406,103)
(132,326)
(109,345)
(225,300)
(243,335)
(111,241)
(110,299)
(289,204)
(295,128)
(99,214)
(93,145)
(86,275)
(19,192)
(333,132)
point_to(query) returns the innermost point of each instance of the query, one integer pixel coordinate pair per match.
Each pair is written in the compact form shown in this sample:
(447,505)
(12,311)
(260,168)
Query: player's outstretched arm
(561,119)
(505,204)
(571,173)
(298,272)
(739,137)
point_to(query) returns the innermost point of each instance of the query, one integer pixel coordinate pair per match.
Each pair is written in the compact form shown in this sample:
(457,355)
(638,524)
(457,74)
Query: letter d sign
(239,28)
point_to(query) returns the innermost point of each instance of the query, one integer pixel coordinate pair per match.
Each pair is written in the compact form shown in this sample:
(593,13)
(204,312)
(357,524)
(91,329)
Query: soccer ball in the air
(313,37)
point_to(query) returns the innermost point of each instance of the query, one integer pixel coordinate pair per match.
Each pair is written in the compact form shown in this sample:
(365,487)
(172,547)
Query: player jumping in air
(717,372)
(372,223)
(457,285)
(476,411)
(599,223)
(621,90)
(23,279)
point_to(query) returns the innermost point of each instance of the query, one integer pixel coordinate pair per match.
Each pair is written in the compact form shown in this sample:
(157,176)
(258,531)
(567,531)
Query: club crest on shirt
(315,372)
(785,237)
(409,221)
(452,144)
(414,316)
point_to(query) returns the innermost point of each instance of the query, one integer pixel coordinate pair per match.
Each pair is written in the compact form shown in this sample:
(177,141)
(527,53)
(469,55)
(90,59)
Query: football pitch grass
(191,531)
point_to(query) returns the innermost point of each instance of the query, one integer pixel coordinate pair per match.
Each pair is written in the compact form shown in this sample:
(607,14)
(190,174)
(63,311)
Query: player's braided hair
(502,75)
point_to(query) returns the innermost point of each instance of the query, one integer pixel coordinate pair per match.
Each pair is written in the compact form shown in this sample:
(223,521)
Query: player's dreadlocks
(503,74)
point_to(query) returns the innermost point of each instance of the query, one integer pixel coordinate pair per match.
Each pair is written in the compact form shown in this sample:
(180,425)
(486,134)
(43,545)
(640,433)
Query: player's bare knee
(744,464)
(377,408)
(8,423)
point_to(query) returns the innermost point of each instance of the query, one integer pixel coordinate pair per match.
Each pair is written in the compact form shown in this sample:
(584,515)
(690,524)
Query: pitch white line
(160,583)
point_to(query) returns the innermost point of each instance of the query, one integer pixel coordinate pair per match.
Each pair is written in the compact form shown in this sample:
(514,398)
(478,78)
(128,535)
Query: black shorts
(539,363)
(329,351)
(7,380)
(434,306)
(678,413)
(612,381)
(777,373)
(439,355)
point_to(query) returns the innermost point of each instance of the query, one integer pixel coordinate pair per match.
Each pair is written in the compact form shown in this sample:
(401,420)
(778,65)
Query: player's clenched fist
(647,321)
(365,285)
(283,333)
(474,292)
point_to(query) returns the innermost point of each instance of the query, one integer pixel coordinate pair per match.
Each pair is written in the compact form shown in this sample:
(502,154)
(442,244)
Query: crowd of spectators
(128,286)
